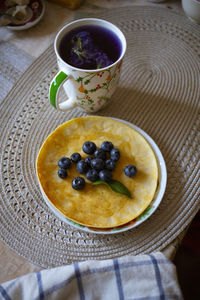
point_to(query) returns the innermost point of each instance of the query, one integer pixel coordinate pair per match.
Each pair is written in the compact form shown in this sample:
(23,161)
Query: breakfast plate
(98,209)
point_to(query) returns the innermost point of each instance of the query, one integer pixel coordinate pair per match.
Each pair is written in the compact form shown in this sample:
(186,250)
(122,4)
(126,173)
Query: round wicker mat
(159,92)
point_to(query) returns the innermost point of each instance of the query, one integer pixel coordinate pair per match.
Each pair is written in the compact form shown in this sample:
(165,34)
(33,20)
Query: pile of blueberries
(98,166)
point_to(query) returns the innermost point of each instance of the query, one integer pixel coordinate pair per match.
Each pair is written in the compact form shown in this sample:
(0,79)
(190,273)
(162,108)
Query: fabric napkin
(149,276)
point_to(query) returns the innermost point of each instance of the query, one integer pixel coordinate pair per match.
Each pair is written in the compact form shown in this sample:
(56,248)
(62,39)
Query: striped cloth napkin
(149,276)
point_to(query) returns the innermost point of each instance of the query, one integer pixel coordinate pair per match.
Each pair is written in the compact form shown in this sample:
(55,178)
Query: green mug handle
(55,87)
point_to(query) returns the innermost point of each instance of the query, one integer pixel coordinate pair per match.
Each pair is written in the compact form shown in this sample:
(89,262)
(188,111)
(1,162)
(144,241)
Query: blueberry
(92,175)
(98,164)
(78,183)
(110,164)
(107,146)
(62,173)
(88,161)
(115,154)
(75,157)
(130,170)
(81,167)
(89,147)
(105,175)
(100,153)
(64,163)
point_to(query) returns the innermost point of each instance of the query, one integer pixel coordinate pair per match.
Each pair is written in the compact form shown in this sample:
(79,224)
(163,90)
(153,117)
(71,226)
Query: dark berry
(78,183)
(62,173)
(92,175)
(98,164)
(115,154)
(75,157)
(100,153)
(130,170)
(110,164)
(81,167)
(89,147)
(105,175)
(64,163)
(107,146)
(88,161)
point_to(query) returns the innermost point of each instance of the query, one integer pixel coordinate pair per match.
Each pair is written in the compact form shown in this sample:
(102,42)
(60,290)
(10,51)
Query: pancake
(98,205)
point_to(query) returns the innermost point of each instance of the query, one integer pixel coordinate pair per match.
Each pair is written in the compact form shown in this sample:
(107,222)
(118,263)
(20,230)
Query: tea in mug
(90,47)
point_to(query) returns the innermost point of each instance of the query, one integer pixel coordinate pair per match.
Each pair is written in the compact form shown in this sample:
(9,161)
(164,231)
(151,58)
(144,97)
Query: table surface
(34,42)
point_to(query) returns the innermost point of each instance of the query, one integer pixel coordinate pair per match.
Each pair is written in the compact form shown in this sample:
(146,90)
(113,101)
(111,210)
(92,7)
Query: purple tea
(90,47)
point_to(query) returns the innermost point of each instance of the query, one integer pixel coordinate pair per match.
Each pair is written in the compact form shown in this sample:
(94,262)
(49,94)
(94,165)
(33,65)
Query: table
(34,42)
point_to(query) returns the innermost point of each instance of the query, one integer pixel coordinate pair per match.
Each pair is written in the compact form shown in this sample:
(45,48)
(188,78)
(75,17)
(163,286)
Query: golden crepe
(98,205)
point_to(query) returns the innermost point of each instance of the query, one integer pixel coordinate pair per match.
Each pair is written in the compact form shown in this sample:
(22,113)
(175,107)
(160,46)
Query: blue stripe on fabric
(57,287)
(79,281)
(123,265)
(147,298)
(13,282)
(167,297)
(118,279)
(158,277)
(41,293)
(4,293)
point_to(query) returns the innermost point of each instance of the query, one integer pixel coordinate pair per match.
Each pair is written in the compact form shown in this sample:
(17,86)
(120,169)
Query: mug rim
(62,31)
(195,1)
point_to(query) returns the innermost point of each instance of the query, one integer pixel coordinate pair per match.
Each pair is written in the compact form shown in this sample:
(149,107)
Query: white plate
(37,7)
(162,181)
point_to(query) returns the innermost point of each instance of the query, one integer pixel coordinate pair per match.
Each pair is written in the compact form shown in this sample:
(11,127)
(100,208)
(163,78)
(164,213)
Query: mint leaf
(116,186)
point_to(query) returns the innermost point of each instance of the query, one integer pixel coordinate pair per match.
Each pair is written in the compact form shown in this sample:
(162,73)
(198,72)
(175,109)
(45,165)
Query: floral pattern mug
(89,89)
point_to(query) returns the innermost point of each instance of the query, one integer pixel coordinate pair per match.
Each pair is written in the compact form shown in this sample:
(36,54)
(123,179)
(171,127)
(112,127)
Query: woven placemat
(159,92)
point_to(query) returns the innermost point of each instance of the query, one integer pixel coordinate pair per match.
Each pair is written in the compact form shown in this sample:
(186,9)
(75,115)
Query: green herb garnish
(79,43)
(78,49)
(116,186)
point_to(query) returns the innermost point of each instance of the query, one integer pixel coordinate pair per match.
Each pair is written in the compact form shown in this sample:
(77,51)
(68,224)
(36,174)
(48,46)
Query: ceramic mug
(192,9)
(89,89)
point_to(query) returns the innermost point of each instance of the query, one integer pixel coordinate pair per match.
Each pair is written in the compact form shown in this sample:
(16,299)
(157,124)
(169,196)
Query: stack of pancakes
(98,206)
